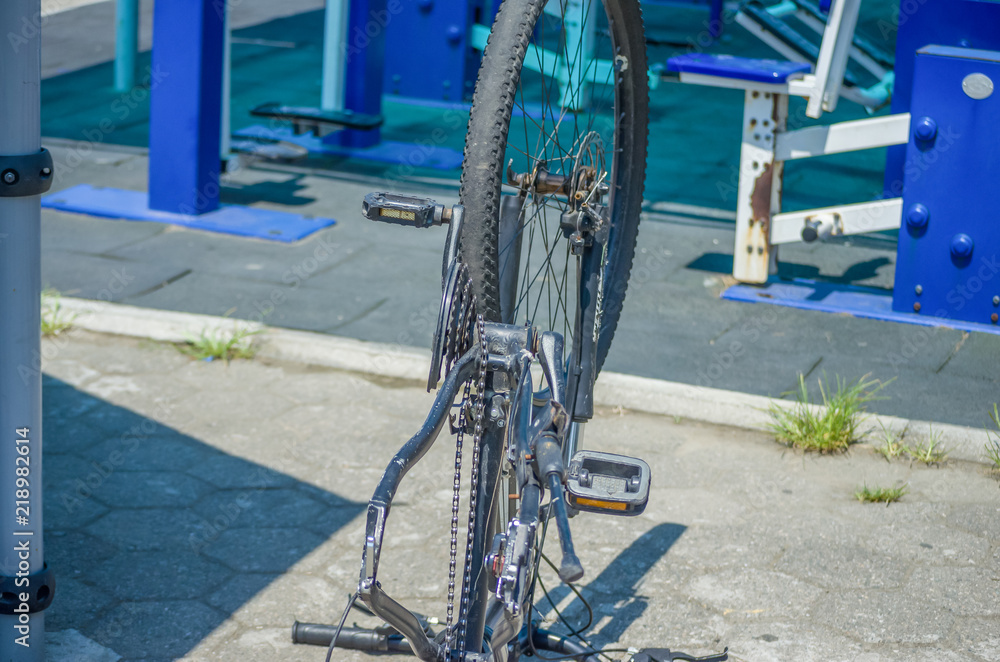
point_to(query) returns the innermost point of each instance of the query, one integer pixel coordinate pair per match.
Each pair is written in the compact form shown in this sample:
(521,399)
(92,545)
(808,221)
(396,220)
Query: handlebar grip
(571,569)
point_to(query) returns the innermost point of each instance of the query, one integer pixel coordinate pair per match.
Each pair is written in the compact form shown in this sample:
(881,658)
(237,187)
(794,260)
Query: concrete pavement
(194,510)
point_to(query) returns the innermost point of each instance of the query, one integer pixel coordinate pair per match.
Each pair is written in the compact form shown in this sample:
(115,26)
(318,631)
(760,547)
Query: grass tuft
(832,429)
(993,439)
(54,320)
(884,495)
(892,443)
(932,452)
(219,344)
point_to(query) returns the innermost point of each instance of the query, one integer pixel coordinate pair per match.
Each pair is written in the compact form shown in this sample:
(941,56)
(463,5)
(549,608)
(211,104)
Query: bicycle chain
(477,438)
(454,346)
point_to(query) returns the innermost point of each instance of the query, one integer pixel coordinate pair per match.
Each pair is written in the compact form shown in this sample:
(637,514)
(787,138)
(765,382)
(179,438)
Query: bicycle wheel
(561,107)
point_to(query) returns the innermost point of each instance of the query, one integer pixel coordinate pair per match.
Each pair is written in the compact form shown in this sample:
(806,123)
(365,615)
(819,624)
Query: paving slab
(258,521)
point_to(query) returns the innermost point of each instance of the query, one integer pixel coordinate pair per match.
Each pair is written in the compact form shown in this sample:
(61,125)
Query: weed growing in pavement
(54,321)
(884,495)
(993,439)
(828,430)
(892,443)
(219,344)
(933,452)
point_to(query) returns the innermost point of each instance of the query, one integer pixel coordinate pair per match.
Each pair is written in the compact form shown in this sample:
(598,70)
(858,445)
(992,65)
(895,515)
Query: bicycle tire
(498,87)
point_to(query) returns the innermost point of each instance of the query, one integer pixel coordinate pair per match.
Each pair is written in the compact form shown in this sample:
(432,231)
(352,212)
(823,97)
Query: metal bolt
(961,246)
(919,289)
(917,216)
(994,318)
(10,177)
(925,129)
(996,301)
(916,307)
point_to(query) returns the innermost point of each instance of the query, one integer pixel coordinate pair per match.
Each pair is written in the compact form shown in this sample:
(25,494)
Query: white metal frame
(760,225)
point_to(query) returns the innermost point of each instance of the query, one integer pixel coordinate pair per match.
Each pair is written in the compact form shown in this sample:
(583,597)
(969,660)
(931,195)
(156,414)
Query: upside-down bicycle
(532,275)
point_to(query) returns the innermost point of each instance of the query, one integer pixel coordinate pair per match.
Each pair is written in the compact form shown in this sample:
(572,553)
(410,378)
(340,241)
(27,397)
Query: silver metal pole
(20,317)
(225,139)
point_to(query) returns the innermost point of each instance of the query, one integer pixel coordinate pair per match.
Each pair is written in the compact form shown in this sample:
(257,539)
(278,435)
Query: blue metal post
(948,256)
(185,113)
(20,346)
(364,53)
(962,23)
(427,51)
(126,43)
(715,18)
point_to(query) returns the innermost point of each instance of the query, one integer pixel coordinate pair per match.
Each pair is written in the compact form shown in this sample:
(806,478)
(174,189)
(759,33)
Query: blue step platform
(738,68)
(857,301)
(228,219)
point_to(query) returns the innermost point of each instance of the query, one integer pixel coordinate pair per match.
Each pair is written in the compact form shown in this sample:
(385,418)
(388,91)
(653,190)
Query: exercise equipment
(416,51)
(944,123)
(187,136)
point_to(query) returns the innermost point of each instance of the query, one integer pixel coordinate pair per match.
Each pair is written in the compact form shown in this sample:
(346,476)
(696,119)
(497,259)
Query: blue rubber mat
(228,219)
(861,302)
(387,151)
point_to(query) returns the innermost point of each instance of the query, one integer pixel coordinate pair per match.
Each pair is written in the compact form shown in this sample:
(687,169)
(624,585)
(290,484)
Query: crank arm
(369,589)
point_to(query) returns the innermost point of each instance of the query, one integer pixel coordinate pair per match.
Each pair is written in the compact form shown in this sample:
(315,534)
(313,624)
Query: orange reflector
(396,213)
(606,505)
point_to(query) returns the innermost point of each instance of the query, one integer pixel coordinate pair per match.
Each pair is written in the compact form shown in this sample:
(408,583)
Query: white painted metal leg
(759,190)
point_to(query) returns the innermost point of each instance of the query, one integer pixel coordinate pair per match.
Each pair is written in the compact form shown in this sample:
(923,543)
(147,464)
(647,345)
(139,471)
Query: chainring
(453,334)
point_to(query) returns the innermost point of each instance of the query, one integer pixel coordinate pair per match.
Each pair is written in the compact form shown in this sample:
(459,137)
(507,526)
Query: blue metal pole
(364,62)
(185,113)
(20,346)
(126,43)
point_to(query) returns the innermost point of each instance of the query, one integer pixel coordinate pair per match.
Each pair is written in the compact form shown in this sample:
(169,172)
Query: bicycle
(524,276)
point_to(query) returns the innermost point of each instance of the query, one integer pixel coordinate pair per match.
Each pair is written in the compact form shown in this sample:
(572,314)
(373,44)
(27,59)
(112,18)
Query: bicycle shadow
(155,537)
(622,577)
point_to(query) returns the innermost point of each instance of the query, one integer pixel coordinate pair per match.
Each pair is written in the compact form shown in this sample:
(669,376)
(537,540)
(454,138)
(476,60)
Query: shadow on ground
(155,537)
(621,577)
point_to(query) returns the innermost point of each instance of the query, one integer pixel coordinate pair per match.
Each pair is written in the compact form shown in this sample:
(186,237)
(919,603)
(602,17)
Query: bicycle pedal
(607,483)
(404,210)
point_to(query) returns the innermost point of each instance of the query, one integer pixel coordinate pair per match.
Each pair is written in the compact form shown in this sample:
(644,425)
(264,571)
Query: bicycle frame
(511,350)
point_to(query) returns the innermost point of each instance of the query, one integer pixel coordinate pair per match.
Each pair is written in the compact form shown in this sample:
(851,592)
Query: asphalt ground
(382,283)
